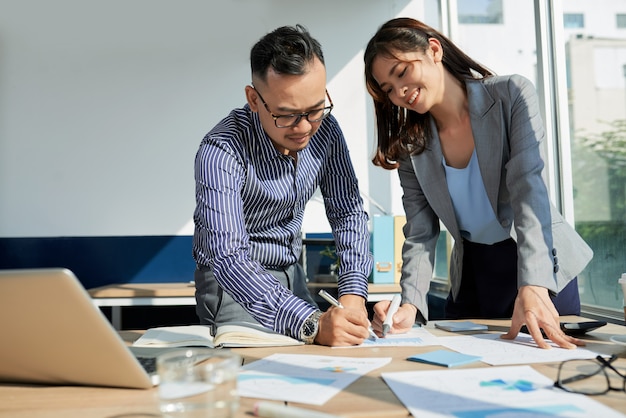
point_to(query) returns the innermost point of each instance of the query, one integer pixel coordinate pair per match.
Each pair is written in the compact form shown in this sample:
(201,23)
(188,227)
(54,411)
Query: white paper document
(523,350)
(510,391)
(302,378)
(415,337)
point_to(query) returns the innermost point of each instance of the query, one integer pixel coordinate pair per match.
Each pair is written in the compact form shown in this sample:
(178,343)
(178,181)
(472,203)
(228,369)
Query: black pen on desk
(276,410)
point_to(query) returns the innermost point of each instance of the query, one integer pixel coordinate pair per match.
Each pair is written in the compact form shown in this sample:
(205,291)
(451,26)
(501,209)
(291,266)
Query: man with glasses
(255,171)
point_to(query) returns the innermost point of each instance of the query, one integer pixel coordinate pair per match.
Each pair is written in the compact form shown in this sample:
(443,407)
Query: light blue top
(474,214)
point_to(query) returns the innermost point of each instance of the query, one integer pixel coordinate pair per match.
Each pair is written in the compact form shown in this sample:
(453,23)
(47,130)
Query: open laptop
(52,333)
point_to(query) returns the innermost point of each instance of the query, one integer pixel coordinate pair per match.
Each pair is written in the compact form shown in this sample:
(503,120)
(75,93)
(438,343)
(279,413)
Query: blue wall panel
(99,261)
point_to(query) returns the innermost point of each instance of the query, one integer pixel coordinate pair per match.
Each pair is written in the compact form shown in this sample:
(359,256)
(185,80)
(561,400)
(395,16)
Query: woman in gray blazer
(468,146)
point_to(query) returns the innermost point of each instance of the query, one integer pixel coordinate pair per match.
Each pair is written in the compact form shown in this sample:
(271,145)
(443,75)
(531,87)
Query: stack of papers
(512,391)
(308,379)
(523,350)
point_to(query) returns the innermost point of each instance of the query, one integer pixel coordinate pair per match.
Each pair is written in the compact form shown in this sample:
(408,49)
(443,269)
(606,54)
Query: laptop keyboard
(148,363)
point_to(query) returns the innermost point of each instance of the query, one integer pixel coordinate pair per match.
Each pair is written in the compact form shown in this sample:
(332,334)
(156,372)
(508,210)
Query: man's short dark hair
(287,50)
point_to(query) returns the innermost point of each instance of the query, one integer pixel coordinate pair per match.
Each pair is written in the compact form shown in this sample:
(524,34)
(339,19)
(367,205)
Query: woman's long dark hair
(401,131)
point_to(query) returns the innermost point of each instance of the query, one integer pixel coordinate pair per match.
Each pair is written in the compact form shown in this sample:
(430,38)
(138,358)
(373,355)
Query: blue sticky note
(444,358)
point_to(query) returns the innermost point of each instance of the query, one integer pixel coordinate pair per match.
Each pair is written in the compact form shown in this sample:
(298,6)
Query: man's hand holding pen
(344,323)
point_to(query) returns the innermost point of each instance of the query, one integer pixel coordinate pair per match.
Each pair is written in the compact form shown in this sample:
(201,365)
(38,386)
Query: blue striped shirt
(250,202)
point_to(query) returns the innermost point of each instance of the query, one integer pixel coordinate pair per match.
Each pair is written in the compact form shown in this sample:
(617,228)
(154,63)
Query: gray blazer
(508,133)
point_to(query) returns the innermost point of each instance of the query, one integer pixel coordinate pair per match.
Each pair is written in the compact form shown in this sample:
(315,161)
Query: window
(574,20)
(620,20)
(597,113)
(507,48)
(480,11)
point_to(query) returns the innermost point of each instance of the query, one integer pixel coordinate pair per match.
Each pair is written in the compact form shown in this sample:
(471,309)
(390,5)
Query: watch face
(309,328)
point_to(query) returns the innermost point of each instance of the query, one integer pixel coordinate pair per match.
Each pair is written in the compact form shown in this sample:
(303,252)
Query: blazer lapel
(489,135)
(428,167)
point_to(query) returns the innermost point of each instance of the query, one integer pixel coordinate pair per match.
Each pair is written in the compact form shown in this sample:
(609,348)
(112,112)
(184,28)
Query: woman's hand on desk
(534,308)
(403,320)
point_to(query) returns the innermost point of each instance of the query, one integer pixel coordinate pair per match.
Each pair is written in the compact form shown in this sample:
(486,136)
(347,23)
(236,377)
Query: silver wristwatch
(309,329)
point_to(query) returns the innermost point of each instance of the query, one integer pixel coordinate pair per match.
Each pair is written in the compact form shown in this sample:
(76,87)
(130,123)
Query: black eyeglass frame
(604,364)
(298,116)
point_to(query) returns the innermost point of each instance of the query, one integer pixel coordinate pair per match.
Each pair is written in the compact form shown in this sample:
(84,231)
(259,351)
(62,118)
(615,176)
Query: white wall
(103,104)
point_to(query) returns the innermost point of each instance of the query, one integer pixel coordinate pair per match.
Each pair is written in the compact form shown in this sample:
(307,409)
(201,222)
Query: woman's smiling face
(412,80)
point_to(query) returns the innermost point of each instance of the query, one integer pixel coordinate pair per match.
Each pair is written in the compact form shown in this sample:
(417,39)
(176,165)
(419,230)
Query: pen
(330,299)
(393,308)
(276,410)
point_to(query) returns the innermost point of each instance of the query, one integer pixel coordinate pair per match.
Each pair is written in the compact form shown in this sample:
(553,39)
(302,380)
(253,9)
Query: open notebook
(235,334)
(52,333)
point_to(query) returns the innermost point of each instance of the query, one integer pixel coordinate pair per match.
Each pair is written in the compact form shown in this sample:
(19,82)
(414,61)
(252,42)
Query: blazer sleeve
(527,185)
(421,232)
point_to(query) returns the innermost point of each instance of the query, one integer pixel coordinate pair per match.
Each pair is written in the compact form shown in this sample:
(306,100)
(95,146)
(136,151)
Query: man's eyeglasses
(589,377)
(287,121)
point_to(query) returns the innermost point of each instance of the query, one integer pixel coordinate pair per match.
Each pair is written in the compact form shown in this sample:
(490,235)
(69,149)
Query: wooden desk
(183,294)
(368,397)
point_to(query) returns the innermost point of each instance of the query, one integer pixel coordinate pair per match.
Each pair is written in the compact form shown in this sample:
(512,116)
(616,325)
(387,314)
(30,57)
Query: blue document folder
(383,249)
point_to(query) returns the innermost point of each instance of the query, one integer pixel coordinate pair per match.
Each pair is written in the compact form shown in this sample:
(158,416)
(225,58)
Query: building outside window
(573,20)
(596,67)
(480,11)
